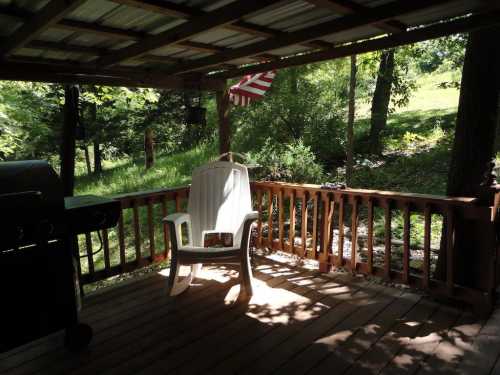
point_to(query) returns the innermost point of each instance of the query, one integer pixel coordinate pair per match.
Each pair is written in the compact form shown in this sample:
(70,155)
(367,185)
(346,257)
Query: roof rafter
(349,22)
(92,51)
(51,13)
(111,32)
(186,12)
(413,36)
(65,73)
(349,7)
(217,18)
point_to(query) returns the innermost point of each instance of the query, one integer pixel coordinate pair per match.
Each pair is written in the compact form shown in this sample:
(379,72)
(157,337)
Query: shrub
(293,162)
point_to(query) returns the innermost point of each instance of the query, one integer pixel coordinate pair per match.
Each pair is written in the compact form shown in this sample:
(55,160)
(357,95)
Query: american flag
(250,88)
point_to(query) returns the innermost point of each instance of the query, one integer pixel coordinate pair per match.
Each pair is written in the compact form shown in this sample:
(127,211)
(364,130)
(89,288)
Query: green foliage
(293,162)
(128,175)
(27,126)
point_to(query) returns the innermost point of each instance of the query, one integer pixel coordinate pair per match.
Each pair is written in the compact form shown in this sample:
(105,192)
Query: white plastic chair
(219,201)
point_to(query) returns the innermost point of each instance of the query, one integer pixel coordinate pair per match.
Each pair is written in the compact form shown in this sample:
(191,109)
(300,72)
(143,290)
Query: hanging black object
(195,113)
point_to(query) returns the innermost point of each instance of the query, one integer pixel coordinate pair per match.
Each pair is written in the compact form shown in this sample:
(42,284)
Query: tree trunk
(149,149)
(68,141)
(97,150)
(97,157)
(223,110)
(87,159)
(381,99)
(350,123)
(473,150)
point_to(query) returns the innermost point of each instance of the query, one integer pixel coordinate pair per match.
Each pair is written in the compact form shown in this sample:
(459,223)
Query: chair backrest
(219,199)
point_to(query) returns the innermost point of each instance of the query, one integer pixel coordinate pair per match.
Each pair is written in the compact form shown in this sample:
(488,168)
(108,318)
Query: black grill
(38,284)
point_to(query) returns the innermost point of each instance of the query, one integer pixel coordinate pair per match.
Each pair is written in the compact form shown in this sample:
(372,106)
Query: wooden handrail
(311,222)
(135,237)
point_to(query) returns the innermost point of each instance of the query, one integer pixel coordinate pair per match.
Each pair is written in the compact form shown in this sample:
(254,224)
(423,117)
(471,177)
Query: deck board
(298,322)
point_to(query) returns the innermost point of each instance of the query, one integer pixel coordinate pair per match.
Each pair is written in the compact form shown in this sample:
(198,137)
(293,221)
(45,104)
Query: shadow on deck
(297,322)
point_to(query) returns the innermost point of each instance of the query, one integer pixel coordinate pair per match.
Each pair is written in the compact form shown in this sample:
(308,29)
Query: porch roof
(192,44)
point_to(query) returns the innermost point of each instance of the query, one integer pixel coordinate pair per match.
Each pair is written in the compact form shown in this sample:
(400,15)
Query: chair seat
(202,249)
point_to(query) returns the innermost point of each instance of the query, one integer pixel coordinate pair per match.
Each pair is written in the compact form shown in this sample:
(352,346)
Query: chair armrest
(177,218)
(253,215)
(175,221)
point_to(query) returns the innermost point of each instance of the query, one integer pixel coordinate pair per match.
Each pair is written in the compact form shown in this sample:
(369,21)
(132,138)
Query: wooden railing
(315,223)
(324,224)
(139,239)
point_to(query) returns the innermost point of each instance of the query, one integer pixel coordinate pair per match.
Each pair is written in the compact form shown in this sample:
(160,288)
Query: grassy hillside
(417,143)
(129,175)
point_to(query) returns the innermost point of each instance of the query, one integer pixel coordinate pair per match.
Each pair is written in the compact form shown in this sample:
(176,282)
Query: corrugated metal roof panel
(280,14)
(214,36)
(357,34)
(292,17)
(92,10)
(453,9)
(55,35)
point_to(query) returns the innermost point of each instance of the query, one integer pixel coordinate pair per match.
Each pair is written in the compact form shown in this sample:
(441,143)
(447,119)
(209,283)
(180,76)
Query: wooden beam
(375,15)
(90,51)
(349,7)
(50,14)
(461,25)
(110,32)
(63,47)
(186,12)
(60,72)
(217,18)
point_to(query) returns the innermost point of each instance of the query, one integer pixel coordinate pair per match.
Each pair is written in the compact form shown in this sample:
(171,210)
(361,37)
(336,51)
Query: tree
(350,122)
(381,99)
(473,148)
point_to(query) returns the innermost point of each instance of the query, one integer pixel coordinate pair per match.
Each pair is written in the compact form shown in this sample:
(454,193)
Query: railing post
(324,261)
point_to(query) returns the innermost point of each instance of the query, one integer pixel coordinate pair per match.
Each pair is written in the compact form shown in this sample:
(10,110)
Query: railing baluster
(90,256)
(164,212)
(354,232)
(178,203)
(137,231)
(151,231)
(370,236)
(427,247)
(325,236)
(105,244)
(259,222)
(270,218)
(315,225)
(388,239)
(291,233)
(303,225)
(121,239)
(281,220)
(340,261)
(449,249)
(406,243)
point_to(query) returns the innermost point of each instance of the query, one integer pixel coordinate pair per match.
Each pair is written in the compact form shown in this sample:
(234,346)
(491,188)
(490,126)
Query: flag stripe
(251,87)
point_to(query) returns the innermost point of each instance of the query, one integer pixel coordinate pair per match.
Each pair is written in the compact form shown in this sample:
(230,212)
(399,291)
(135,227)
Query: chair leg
(172,277)
(195,269)
(246,274)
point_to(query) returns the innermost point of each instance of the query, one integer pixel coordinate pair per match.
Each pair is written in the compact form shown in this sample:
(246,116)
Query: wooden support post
(474,249)
(223,110)
(71,94)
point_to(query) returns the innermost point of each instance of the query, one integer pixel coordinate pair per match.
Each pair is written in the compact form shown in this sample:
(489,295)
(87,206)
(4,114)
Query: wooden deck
(298,322)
